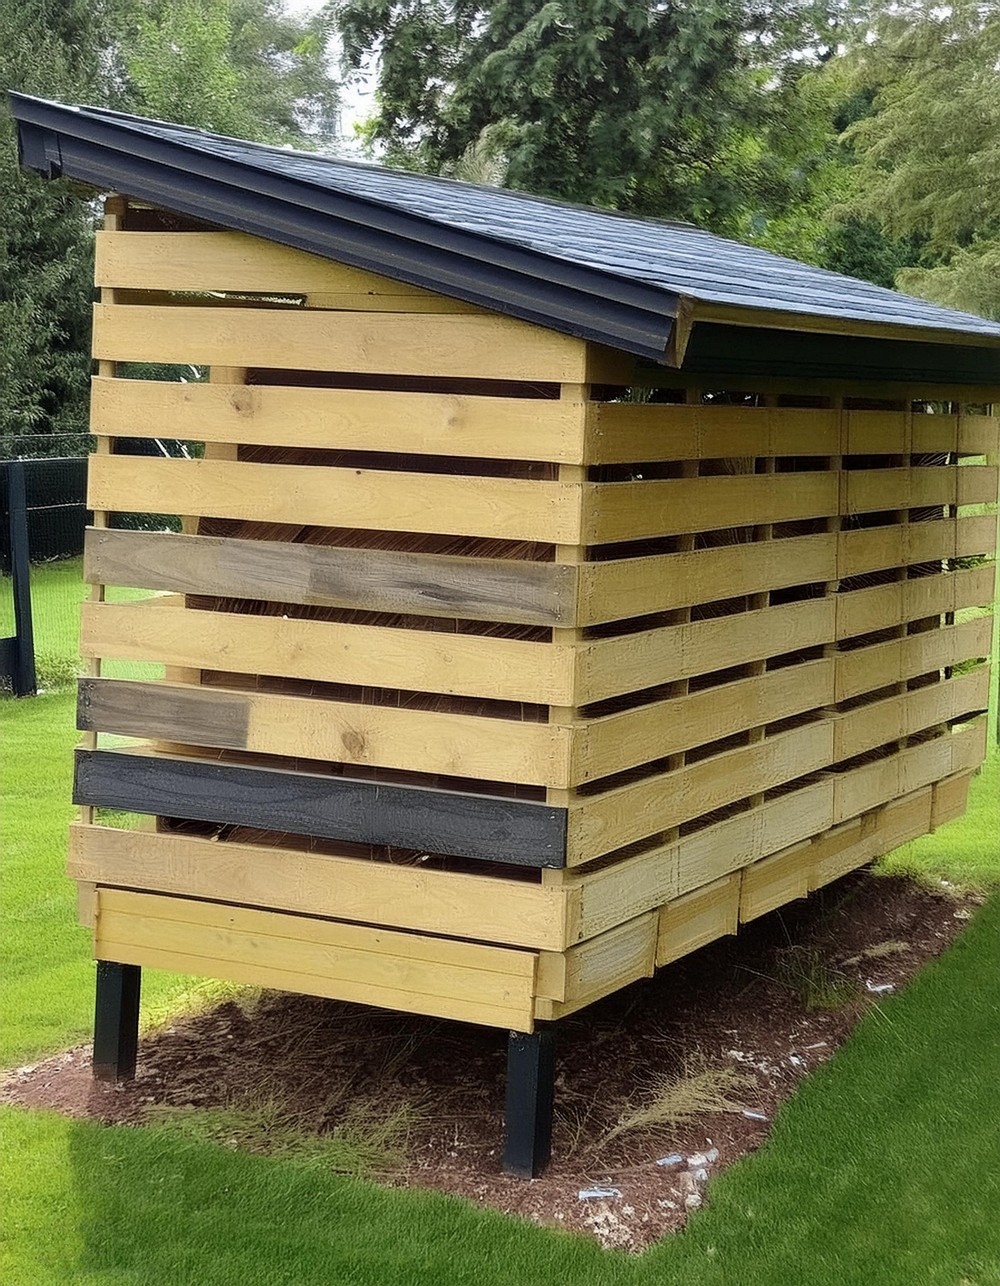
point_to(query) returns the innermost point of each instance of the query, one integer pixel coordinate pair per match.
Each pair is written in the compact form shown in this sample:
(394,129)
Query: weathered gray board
(373,580)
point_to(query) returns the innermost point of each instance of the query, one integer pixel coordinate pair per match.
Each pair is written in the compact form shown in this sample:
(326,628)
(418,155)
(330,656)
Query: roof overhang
(110,154)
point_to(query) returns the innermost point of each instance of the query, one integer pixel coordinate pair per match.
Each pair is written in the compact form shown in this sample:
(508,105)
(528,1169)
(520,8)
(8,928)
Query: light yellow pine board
(882,664)
(977,485)
(880,722)
(511,912)
(229,261)
(621,433)
(728,845)
(878,489)
(839,850)
(618,741)
(898,433)
(863,839)
(977,434)
(238,263)
(626,587)
(623,890)
(342,419)
(504,508)
(865,611)
(376,656)
(391,737)
(899,544)
(887,432)
(892,433)
(609,667)
(775,881)
(909,770)
(362,945)
(870,490)
(950,799)
(150,954)
(597,968)
(697,918)
(489,347)
(629,813)
(621,511)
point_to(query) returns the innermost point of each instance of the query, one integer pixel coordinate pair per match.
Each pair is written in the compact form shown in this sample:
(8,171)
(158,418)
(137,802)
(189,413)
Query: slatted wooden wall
(490,687)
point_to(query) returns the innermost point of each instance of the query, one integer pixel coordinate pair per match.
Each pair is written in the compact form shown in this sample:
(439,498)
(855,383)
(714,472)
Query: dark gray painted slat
(477,826)
(373,580)
(203,717)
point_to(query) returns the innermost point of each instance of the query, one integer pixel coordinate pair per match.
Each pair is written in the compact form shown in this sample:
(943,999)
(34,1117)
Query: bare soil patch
(744,1019)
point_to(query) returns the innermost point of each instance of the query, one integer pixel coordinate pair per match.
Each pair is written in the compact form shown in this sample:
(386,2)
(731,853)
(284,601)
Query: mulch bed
(757,1003)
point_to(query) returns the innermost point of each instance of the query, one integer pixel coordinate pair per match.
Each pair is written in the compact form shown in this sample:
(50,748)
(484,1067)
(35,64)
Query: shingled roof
(634,284)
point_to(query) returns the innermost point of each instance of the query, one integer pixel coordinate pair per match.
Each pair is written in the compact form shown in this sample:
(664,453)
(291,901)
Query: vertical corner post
(116,1021)
(530,1100)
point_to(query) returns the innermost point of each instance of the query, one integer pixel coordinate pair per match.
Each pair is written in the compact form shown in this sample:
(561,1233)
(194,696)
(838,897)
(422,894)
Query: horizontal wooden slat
(596,968)
(514,912)
(342,419)
(615,742)
(620,432)
(869,726)
(504,508)
(366,655)
(621,511)
(900,433)
(338,731)
(609,667)
(871,490)
(629,813)
(624,587)
(374,580)
(865,611)
(273,949)
(871,549)
(489,828)
(697,918)
(231,261)
(386,343)
(916,766)
(881,664)
(776,880)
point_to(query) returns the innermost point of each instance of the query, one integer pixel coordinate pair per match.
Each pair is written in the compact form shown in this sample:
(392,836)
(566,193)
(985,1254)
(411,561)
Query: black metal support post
(21,657)
(530,1097)
(116,1021)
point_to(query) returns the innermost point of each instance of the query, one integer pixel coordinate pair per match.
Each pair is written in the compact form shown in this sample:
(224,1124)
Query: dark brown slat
(476,826)
(373,580)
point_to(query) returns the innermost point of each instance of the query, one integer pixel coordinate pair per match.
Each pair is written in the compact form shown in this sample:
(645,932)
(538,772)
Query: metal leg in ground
(116,1021)
(530,1095)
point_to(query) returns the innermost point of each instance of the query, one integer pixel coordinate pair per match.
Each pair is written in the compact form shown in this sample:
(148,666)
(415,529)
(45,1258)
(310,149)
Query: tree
(246,68)
(653,108)
(928,154)
(243,67)
(47,47)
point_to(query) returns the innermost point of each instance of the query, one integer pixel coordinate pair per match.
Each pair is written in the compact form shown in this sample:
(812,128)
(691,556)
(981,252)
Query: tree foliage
(240,67)
(660,109)
(47,47)
(243,67)
(928,152)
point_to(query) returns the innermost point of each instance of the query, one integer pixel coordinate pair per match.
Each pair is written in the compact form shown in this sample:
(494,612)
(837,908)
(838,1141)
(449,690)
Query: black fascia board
(111,154)
(752,352)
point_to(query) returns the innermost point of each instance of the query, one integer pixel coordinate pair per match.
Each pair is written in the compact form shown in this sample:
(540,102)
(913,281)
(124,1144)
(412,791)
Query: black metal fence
(42,518)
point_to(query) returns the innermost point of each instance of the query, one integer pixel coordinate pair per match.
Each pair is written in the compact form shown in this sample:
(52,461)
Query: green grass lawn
(882,1169)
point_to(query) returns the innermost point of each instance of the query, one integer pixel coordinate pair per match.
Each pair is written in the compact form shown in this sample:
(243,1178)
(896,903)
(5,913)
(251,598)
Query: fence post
(23,678)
